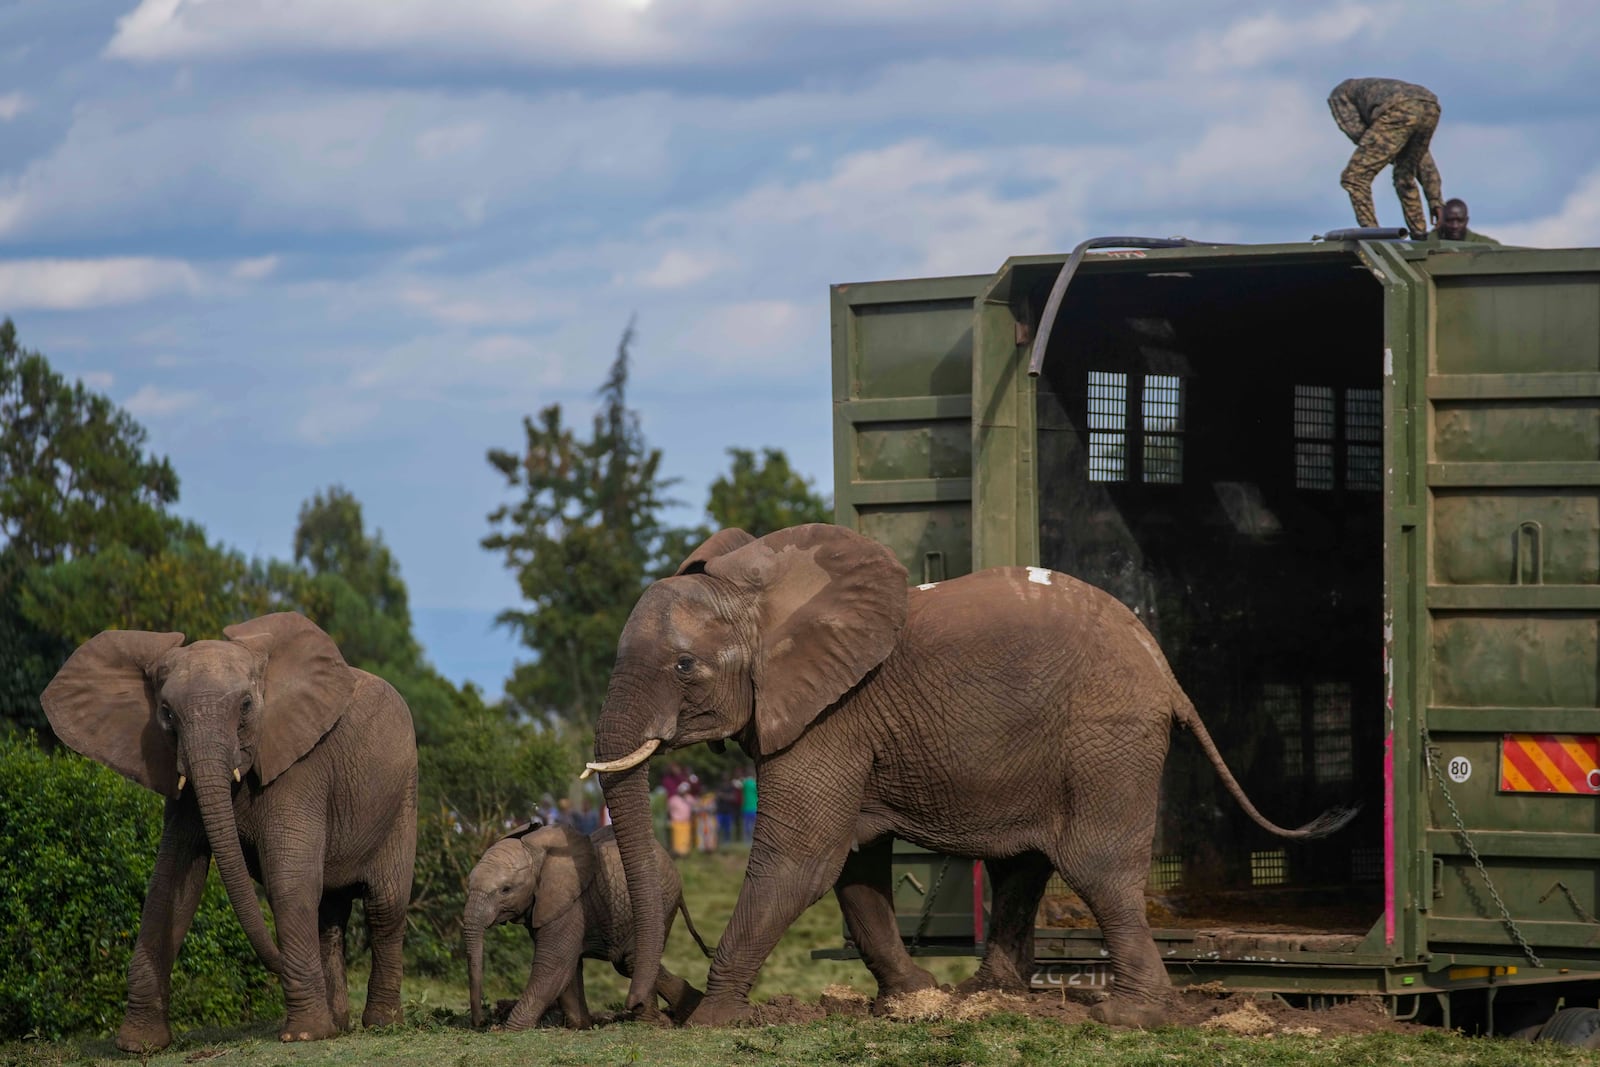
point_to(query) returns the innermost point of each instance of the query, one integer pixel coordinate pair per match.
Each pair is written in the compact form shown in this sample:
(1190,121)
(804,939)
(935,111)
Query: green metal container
(1353,488)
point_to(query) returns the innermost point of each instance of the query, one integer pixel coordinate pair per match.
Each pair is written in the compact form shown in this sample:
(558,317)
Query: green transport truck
(1353,488)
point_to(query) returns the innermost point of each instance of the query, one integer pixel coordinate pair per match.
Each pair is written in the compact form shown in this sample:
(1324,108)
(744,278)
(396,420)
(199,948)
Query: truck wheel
(1579,1027)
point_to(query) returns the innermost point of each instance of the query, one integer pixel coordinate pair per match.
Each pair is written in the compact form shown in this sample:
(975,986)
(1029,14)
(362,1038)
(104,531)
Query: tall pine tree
(585,536)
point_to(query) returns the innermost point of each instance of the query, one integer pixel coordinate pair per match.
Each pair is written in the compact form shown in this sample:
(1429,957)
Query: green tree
(584,538)
(760,496)
(74,476)
(187,584)
(82,504)
(349,582)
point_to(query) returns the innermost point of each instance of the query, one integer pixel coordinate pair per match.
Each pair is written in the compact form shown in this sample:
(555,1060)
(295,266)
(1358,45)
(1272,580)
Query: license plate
(1071,976)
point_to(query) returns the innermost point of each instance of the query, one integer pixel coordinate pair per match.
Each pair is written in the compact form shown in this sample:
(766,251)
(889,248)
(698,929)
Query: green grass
(997,1040)
(436,1034)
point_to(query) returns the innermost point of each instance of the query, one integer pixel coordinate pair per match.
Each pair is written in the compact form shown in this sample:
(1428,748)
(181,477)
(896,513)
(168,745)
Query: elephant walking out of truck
(1016,715)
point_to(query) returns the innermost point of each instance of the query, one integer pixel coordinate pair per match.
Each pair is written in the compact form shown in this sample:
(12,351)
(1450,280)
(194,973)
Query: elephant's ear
(102,703)
(718,544)
(563,861)
(305,687)
(830,606)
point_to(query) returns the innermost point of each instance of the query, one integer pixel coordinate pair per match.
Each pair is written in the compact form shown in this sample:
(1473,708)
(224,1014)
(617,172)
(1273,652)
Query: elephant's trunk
(472,928)
(214,793)
(628,796)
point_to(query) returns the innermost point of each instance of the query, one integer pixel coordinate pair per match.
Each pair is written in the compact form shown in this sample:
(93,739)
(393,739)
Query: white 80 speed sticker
(1459,769)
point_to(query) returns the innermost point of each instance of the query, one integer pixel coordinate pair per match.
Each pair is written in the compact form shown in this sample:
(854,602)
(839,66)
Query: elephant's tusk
(632,759)
(182,781)
(236,774)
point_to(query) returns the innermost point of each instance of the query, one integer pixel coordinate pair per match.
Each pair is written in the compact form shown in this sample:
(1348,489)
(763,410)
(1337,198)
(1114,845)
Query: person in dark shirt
(1453,225)
(1391,122)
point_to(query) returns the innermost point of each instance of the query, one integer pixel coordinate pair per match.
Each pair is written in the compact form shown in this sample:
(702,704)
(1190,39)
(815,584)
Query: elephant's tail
(684,907)
(1330,821)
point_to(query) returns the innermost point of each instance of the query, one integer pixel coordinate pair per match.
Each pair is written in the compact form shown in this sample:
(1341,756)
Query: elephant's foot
(1128,1012)
(377,1014)
(309,1026)
(144,1035)
(686,1005)
(912,980)
(721,1012)
(651,1014)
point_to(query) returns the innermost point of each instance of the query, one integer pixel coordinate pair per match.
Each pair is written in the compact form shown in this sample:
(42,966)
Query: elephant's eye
(685,664)
(244,705)
(165,714)
(505,889)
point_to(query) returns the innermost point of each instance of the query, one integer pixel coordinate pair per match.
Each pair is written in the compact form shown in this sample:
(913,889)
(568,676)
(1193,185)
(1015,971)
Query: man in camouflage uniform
(1390,122)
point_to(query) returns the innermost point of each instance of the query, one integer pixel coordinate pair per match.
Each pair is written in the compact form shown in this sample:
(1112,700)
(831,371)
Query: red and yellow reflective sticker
(1550,763)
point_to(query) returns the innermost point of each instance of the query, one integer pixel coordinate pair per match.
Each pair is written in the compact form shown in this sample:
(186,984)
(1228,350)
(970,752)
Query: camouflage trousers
(1400,134)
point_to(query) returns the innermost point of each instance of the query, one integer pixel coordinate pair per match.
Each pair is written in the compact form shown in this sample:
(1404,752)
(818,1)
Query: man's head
(1453,222)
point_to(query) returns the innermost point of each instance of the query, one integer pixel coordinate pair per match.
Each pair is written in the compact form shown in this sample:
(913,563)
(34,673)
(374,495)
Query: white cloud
(254,270)
(154,402)
(12,105)
(335,419)
(745,332)
(1261,39)
(552,30)
(99,380)
(77,284)
(346,160)
(678,268)
(1575,225)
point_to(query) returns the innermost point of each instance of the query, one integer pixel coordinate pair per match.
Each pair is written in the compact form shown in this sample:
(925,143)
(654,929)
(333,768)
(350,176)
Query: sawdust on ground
(1209,1007)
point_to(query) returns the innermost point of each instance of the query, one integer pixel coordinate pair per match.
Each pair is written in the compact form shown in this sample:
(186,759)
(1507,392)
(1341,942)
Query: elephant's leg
(681,997)
(557,960)
(292,870)
(386,929)
(866,897)
(1017,883)
(779,884)
(176,884)
(333,915)
(1111,882)
(574,1005)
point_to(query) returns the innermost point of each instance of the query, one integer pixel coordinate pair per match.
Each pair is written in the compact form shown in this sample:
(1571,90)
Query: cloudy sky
(309,242)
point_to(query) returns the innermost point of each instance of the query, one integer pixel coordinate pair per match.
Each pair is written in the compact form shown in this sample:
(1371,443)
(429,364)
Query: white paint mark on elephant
(1038,576)
(927,585)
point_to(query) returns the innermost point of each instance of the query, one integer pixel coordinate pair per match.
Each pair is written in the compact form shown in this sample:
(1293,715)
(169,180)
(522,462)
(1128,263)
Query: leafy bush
(77,845)
(482,774)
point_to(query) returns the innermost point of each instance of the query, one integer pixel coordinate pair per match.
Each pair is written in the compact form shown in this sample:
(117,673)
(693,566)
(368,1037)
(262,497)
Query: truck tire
(1579,1027)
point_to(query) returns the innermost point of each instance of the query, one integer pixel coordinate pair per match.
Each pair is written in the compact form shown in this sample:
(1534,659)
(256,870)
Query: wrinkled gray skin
(324,808)
(570,892)
(1015,715)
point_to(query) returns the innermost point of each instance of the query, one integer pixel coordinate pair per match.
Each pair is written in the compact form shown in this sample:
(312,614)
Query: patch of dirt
(1208,1007)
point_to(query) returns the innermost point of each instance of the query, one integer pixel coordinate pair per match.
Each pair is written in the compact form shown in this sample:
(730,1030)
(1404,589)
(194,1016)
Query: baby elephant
(570,891)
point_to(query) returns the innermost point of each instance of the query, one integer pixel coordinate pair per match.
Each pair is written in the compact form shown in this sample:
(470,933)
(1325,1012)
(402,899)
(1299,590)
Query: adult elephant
(1015,715)
(304,776)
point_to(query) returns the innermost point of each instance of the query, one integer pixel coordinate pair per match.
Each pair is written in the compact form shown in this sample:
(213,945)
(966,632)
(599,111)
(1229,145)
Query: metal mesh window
(1108,422)
(1280,705)
(1166,872)
(1163,424)
(1269,868)
(1363,432)
(1366,865)
(1313,437)
(1332,759)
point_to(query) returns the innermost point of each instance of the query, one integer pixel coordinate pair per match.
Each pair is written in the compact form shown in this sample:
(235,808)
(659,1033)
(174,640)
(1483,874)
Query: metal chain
(1466,841)
(1584,915)
(927,903)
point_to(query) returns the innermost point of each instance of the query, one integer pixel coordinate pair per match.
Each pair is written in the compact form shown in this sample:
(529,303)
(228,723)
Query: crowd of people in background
(698,817)
(701,817)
